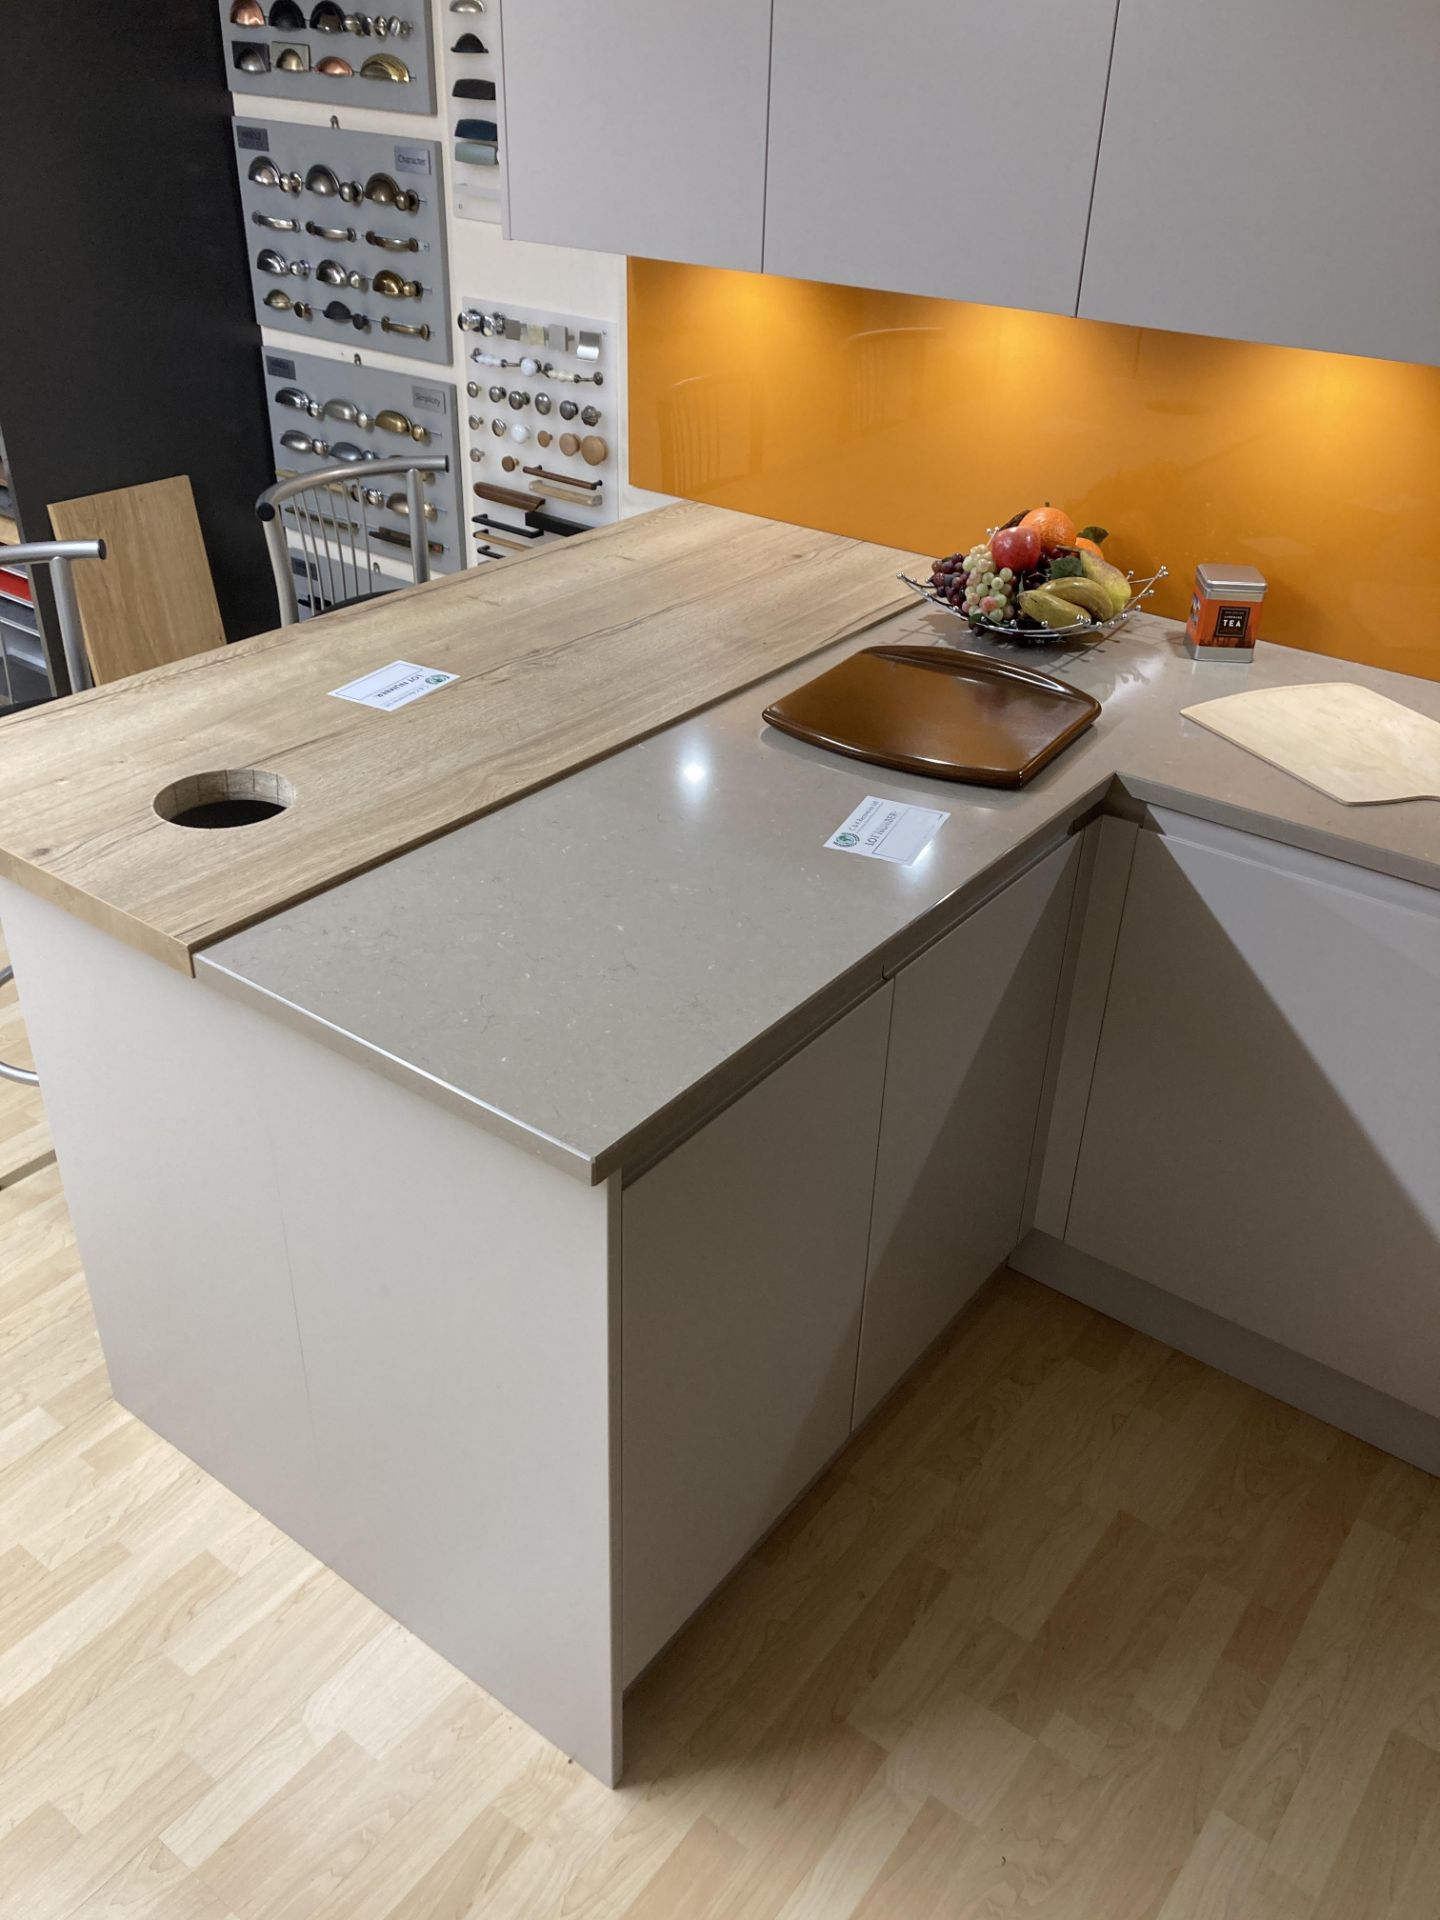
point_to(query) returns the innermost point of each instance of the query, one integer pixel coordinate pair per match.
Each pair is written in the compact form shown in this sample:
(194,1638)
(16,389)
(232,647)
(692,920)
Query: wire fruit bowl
(1080,633)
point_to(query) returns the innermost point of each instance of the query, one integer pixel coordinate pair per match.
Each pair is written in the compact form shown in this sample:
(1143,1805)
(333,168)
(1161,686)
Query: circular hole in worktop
(237,797)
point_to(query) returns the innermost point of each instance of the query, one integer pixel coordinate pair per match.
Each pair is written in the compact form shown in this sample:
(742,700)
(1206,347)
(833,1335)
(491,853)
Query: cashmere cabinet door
(1263,1131)
(638,126)
(969,1040)
(743,1276)
(1270,170)
(936,146)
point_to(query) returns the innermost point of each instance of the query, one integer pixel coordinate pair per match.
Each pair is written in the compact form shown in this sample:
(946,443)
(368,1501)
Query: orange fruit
(1055,528)
(1087,546)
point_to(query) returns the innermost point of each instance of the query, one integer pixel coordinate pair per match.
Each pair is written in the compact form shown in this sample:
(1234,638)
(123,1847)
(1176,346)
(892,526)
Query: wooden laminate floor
(1078,1630)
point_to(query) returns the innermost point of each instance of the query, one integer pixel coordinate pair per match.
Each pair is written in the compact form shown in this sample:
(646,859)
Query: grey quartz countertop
(593,968)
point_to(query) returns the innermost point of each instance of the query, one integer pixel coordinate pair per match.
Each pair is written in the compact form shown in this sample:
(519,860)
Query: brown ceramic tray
(938,711)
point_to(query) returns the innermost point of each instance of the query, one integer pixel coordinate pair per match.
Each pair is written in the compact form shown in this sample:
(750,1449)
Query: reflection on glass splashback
(919,423)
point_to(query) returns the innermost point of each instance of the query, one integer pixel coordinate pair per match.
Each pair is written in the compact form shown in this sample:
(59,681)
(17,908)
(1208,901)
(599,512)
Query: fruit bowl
(1078,633)
(1037,581)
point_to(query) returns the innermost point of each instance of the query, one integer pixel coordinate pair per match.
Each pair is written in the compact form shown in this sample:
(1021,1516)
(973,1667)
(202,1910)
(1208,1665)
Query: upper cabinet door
(937,146)
(1270,170)
(638,126)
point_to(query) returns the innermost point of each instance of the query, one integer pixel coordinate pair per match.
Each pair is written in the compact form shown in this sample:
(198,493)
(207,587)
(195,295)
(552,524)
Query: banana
(1088,595)
(1048,608)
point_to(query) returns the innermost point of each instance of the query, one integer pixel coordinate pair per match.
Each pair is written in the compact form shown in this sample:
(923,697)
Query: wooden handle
(564,479)
(547,490)
(503,496)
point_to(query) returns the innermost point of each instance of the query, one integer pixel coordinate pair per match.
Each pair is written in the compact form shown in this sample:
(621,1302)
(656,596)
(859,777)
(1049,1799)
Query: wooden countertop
(563,657)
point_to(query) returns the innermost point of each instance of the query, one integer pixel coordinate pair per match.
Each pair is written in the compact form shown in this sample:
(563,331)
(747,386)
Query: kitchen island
(523,1220)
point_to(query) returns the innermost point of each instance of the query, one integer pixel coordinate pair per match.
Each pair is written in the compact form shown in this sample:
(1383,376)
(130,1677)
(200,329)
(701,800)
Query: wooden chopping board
(1349,742)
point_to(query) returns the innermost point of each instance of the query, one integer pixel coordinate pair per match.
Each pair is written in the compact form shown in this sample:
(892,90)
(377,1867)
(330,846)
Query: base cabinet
(969,1038)
(1263,1132)
(743,1273)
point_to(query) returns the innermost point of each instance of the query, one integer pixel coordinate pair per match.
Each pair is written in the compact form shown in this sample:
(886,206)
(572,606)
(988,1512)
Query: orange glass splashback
(920,423)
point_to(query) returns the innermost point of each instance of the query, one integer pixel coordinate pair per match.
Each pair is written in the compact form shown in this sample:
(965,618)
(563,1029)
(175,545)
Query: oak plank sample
(562,657)
(151,600)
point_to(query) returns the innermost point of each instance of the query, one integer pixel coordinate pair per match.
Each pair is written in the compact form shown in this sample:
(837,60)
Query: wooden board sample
(563,656)
(1349,742)
(151,600)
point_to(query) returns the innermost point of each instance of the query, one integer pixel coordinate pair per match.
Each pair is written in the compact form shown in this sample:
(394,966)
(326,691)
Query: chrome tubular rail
(21,1075)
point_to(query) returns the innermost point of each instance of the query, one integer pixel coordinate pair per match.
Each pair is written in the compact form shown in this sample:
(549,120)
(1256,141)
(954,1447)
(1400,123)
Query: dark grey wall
(128,351)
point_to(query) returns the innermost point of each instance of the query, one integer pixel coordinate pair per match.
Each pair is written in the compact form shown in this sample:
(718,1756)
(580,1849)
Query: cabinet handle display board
(371,410)
(292,57)
(346,271)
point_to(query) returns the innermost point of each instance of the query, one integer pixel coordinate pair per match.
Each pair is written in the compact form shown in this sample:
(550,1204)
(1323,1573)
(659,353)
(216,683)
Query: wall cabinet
(1271,171)
(969,1037)
(744,1270)
(638,126)
(1263,1132)
(941,146)
(1267,170)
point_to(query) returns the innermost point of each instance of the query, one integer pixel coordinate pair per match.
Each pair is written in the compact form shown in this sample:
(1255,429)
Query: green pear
(1110,578)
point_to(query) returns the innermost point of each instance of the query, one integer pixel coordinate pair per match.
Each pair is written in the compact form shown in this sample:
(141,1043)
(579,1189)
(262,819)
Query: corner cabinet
(938,147)
(1263,1132)
(638,126)
(1271,171)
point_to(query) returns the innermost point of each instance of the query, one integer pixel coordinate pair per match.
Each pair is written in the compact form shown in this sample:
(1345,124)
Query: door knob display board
(306,52)
(345,235)
(543,414)
(344,409)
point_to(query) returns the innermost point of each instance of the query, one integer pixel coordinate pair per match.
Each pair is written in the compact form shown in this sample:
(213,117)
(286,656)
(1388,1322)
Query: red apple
(1016,547)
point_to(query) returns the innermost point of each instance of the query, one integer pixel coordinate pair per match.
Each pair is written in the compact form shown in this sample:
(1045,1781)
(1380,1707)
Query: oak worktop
(592,970)
(562,657)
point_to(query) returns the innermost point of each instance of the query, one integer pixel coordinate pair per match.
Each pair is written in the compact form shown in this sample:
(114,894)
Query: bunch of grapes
(971,583)
(991,592)
(947,579)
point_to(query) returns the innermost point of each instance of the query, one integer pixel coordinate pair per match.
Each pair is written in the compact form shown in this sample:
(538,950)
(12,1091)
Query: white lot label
(393,686)
(886,830)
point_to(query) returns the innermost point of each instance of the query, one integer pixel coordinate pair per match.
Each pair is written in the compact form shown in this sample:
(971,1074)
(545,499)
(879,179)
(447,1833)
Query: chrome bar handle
(21,1075)
(419,540)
